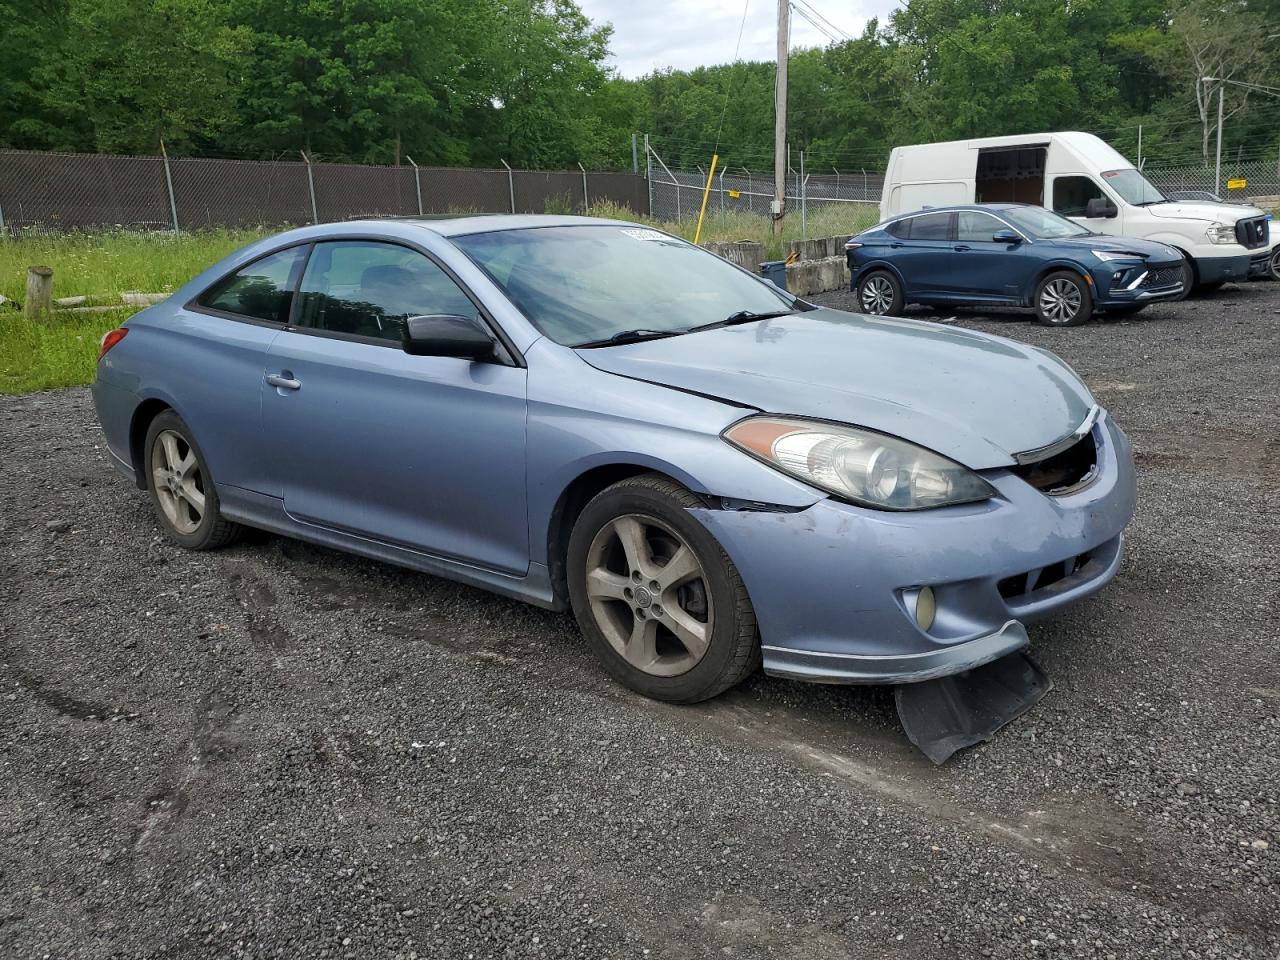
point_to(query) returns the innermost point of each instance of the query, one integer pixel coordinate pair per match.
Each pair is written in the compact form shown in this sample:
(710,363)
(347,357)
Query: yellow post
(706,192)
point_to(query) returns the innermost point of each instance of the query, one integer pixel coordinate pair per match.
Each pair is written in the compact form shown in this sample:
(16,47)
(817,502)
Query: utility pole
(780,118)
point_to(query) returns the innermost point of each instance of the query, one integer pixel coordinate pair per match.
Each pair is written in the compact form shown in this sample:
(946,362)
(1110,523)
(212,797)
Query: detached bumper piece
(948,714)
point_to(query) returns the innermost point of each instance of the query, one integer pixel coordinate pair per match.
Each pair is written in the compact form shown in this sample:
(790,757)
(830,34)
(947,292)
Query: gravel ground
(277,750)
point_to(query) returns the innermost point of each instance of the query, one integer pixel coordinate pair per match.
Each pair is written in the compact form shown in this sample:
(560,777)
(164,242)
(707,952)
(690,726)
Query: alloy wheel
(1060,301)
(177,480)
(877,294)
(1275,264)
(648,595)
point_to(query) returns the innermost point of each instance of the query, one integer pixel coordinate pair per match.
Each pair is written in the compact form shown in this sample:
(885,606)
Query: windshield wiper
(628,336)
(742,316)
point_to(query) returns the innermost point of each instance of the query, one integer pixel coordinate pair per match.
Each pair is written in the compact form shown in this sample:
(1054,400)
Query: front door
(981,269)
(1071,196)
(426,453)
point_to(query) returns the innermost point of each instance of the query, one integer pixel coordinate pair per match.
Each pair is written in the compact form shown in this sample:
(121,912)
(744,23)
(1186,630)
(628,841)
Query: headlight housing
(1107,256)
(1221,233)
(864,467)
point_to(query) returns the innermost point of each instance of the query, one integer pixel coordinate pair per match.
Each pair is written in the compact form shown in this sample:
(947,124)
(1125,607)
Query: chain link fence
(60,191)
(1261,178)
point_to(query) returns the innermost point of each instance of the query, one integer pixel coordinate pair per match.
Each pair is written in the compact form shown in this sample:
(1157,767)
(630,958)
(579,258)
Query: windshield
(1132,186)
(584,284)
(1041,224)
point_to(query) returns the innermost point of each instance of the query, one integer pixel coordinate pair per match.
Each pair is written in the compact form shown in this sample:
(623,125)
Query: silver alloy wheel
(1275,264)
(649,595)
(877,294)
(178,483)
(1060,300)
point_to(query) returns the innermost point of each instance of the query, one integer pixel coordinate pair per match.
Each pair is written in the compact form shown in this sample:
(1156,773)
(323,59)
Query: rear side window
(1071,195)
(900,229)
(931,226)
(261,291)
(368,289)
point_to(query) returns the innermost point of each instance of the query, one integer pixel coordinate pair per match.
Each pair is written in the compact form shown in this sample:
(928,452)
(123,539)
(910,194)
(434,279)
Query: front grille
(1252,233)
(1162,277)
(1064,472)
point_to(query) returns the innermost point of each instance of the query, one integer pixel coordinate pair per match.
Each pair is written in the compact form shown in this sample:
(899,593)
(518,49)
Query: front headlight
(1107,255)
(1221,233)
(861,466)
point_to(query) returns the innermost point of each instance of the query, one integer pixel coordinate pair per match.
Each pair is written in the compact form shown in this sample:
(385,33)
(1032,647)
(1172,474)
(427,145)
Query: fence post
(838,193)
(635,157)
(168,179)
(648,172)
(417,183)
(723,170)
(39,299)
(804,213)
(311,186)
(864,183)
(511,185)
(751,200)
(586,198)
(2,234)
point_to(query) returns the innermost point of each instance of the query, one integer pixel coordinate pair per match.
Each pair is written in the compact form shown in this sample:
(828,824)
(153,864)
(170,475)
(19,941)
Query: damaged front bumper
(832,584)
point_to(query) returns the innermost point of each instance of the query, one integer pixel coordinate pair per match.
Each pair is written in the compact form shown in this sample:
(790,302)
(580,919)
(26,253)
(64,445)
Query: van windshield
(1133,187)
(1041,224)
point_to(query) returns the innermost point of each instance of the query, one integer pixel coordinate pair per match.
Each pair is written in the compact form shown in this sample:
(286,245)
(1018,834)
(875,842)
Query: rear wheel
(657,598)
(182,492)
(1062,300)
(1188,279)
(880,294)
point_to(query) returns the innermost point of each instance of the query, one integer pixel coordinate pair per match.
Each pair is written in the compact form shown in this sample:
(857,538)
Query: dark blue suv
(1010,254)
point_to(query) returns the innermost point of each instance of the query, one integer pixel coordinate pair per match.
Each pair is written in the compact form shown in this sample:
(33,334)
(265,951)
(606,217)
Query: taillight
(110,339)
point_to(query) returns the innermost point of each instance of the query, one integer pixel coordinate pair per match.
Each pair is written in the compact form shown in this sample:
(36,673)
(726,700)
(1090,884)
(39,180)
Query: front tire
(1062,299)
(658,599)
(181,488)
(880,294)
(1274,266)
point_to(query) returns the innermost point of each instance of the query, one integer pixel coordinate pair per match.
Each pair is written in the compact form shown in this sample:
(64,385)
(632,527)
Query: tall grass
(62,351)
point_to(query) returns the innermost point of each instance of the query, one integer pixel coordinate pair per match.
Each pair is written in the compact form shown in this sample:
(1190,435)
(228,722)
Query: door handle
(961,248)
(895,246)
(283,381)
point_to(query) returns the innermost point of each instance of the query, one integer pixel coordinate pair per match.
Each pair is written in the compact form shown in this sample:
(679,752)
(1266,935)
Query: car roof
(448,226)
(963,206)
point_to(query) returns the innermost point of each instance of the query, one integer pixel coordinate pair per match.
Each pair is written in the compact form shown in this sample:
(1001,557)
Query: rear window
(931,226)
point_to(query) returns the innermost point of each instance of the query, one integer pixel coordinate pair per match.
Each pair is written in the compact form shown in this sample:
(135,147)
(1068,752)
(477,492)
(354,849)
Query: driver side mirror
(1100,207)
(445,335)
(1006,236)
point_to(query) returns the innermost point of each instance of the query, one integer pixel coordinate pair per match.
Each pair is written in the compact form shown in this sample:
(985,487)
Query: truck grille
(1162,277)
(1252,233)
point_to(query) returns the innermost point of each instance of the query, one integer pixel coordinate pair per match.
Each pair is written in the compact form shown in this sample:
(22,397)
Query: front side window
(1134,188)
(975,227)
(368,289)
(261,291)
(1041,224)
(1071,195)
(584,284)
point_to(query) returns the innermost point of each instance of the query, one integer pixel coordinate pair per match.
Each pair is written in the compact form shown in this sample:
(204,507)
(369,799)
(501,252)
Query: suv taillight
(110,339)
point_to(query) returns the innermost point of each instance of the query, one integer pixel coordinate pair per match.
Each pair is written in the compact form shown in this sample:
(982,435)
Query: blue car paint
(826,578)
(946,272)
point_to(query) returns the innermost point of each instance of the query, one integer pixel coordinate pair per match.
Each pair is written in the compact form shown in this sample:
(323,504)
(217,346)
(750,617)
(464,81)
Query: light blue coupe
(593,414)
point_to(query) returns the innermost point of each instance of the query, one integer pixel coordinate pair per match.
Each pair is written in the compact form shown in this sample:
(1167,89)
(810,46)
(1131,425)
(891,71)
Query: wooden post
(39,300)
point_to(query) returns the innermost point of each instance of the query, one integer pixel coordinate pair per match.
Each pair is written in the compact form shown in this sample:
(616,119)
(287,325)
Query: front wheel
(1274,266)
(660,602)
(880,294)
(182,492)
(1062,300)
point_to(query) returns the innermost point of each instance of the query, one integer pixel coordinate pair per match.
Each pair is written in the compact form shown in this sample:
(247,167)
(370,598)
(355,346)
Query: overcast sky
(652,34)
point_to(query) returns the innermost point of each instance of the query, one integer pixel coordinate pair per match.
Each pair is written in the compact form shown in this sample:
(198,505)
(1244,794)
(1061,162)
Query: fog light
(926,607)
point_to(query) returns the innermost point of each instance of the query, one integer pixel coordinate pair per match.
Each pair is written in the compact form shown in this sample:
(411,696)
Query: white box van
(1081,177)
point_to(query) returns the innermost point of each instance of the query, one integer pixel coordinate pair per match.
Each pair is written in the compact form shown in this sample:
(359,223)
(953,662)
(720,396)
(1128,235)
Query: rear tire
(657,598)
(182,490)
(1188,280)
(880,294)
(1062,299)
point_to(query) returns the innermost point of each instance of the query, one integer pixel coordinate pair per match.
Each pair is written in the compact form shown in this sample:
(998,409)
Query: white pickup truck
(1079,176)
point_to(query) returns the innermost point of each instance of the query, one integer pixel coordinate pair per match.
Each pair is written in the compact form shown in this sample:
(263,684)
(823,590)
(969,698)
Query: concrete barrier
(807,277)
(745,253)
(818,249)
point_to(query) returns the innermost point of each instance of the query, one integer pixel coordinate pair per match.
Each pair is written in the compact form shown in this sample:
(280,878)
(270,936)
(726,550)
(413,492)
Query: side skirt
(268,513)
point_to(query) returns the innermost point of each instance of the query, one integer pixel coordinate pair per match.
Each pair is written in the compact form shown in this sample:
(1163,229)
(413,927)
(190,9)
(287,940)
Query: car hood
(1150,249)
(974,398)
(1203,210)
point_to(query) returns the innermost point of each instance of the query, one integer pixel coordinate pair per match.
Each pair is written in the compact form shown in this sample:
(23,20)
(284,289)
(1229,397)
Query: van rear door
(1012,174)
